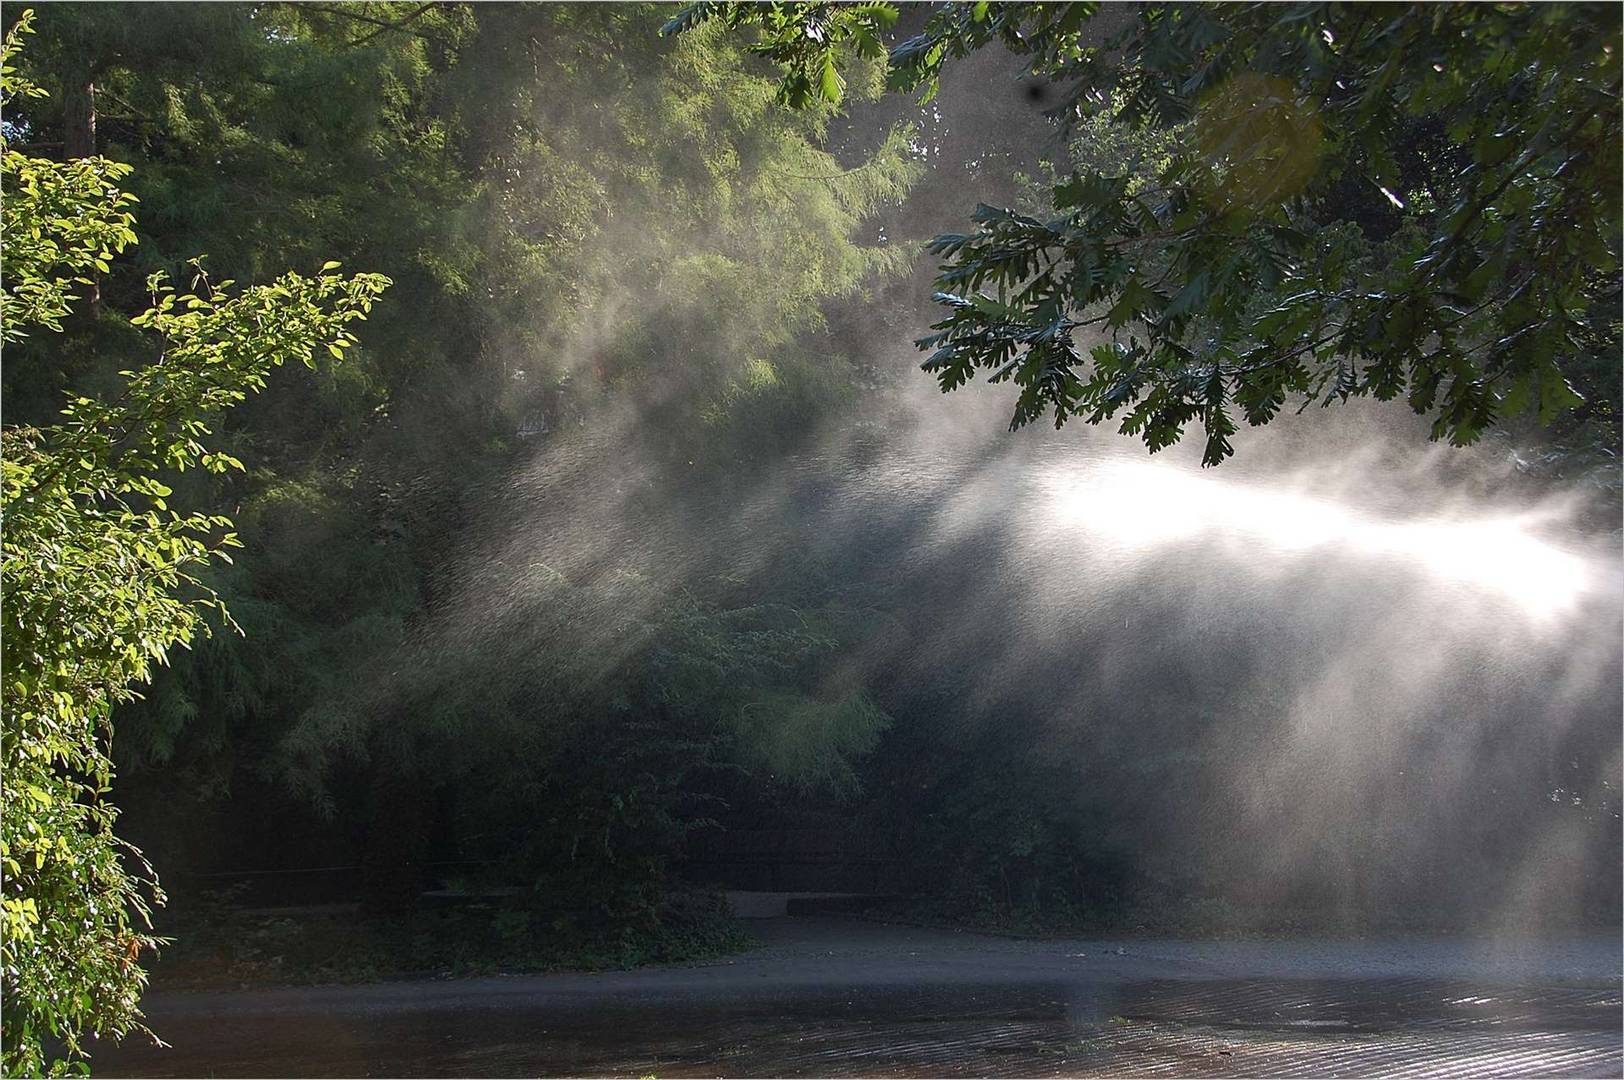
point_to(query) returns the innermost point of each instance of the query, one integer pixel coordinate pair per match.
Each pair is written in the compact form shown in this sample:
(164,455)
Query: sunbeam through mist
(630,481)
(1140,506)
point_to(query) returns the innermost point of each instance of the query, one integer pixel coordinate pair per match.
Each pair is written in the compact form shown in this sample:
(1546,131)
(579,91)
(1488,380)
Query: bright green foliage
(101,579)
(667,176)
(1420,203)
(64,220)
(807,39)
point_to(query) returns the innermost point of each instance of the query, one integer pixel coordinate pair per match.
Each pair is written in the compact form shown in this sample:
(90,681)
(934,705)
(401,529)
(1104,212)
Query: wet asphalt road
(837,997)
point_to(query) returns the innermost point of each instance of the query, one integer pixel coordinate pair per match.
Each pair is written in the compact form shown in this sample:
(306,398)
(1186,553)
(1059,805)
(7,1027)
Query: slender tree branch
(401,25)
(383,25)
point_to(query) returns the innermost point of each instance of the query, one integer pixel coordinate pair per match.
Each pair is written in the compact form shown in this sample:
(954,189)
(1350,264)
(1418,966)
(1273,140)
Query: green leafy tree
(582,221)
(102,576)
(1418,202)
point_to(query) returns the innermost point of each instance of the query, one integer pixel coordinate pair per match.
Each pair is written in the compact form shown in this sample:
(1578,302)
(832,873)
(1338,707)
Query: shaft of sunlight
(1138,506)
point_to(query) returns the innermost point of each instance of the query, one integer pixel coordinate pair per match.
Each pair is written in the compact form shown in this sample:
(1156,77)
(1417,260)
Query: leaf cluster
(101,580)
(807,40)
(1416,203)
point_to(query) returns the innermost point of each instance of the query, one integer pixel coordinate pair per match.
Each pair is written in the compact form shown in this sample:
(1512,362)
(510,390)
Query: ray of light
(1137,506)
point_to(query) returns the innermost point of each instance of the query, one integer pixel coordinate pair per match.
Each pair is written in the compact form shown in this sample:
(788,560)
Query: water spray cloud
(1135,506)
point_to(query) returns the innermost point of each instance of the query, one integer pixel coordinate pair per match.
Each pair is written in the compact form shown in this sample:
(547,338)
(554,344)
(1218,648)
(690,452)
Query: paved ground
(826,997)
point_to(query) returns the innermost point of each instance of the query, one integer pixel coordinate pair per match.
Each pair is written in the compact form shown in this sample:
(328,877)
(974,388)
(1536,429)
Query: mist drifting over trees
(627,520)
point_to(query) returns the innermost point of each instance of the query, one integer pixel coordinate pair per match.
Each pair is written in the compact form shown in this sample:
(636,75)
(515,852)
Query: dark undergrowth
(224,947)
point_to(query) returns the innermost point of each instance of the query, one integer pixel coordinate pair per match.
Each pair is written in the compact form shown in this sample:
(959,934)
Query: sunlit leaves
(62,221)
(101,581)
(807,39)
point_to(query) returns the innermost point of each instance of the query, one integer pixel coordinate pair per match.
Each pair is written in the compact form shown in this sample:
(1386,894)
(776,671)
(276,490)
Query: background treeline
(602,242)
(567,560)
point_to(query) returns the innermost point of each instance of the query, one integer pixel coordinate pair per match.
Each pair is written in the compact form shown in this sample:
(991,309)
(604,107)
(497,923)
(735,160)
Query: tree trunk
(79,141)
(79,119)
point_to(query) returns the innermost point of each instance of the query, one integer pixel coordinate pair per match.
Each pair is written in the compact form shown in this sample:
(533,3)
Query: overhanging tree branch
(383,25)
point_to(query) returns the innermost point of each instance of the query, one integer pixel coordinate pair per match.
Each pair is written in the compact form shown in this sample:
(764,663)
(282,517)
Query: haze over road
(842,997)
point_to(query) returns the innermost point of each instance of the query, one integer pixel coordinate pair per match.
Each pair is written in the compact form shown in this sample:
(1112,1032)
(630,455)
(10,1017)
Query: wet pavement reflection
(973,1006)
